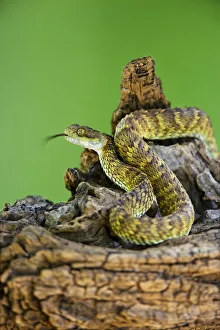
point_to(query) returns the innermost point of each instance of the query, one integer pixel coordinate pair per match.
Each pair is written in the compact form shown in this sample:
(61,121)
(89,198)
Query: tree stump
(62,268)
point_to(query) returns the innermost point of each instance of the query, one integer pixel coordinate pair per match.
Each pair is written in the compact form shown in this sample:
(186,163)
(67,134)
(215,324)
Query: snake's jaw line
(96,146)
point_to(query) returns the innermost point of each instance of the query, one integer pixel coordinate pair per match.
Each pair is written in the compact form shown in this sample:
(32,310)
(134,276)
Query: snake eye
(81,132)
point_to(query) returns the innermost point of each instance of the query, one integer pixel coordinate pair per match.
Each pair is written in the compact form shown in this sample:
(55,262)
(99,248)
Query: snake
(131,163)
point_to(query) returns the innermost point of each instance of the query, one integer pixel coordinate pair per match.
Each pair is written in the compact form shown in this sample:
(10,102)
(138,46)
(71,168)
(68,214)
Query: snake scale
(131,163)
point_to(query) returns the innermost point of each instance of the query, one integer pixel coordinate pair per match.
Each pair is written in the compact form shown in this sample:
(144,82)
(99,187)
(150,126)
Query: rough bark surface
(61,267)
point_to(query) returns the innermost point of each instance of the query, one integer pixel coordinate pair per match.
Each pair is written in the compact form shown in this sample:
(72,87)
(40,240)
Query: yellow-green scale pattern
(175,205)
(130,162)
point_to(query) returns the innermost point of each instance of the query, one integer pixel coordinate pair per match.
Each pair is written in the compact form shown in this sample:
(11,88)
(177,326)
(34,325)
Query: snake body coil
(143,174)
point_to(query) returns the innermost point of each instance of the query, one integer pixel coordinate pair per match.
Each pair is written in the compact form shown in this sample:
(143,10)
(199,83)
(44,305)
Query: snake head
(85,137)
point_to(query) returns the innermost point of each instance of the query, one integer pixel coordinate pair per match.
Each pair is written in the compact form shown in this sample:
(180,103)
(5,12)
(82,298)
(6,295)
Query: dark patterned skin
(143,173)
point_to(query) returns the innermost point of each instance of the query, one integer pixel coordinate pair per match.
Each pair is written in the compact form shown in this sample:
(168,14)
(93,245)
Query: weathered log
(62,268)
(52,283)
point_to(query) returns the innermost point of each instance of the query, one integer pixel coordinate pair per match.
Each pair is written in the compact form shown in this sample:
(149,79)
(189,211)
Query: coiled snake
(143,174)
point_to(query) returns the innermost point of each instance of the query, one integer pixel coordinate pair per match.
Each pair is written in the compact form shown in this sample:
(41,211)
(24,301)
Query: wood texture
(61,267)
(50,283)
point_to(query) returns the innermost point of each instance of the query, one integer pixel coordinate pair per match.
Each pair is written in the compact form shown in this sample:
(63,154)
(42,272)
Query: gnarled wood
(52,283)
(61,267)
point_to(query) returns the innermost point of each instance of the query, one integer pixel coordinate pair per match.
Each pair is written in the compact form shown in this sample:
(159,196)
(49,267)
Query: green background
(61,63)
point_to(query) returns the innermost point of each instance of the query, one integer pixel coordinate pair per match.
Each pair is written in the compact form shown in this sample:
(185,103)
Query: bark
(52,283)
(62,268)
